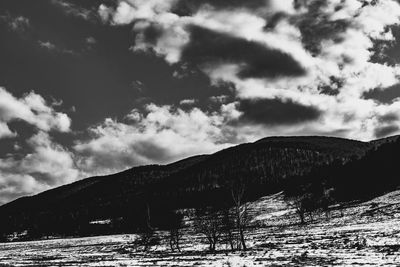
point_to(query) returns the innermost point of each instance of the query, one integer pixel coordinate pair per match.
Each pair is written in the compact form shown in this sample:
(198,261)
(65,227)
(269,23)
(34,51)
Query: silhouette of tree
(241,211)
(209,223)
(175,224)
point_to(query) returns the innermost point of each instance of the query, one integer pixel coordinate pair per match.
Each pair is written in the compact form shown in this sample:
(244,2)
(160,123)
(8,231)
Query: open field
(366,234)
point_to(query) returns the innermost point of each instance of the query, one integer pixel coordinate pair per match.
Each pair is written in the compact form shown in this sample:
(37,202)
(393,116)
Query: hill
(124,198)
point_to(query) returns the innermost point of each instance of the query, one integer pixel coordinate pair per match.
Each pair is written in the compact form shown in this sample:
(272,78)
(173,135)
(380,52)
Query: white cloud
(45,163)
(49,159)
(52,47)
(46,166)
(14,185)
(91,40)
(130,10)
(5,131)
(104,12)
(47,45)
(33,109)
(162,134)
(188,102)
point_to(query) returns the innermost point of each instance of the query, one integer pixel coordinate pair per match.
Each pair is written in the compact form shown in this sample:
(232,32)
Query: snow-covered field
(367,234)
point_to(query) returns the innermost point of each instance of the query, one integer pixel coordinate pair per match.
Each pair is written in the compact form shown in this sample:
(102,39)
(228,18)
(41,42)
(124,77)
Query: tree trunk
(171,245)
(148,219)
(214,245)
(210,243)
(242,239)
(230,237)
(301,215)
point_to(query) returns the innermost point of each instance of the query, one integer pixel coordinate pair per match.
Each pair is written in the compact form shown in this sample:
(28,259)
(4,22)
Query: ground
(364,234)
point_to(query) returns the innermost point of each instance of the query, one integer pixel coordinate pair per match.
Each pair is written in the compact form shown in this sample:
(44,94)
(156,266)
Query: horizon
(193,156)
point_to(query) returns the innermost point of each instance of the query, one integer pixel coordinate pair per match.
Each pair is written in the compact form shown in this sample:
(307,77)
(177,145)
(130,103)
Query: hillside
(362,234)
(265,165)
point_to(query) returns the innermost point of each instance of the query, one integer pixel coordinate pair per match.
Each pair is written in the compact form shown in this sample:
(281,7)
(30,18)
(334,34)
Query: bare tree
(208,222)
(228,226)
(174,239)
(326,200)
(302,204)
(147,239)
(241,212)
(309,202)
(175,230)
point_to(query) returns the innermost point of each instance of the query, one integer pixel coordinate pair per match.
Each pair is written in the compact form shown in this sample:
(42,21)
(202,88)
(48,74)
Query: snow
(367,235)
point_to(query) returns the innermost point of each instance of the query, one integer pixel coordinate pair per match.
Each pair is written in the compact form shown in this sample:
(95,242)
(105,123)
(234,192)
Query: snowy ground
(367,234)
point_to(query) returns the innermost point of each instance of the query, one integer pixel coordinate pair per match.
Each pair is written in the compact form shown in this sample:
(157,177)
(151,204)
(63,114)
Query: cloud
(46,166)
(389,117)
(19,24)
(316,24)
(262,7)
(384,95)
(52,163)
(127,11)
(13,186)
(288,67)
(209,47)
(386,131)
(47,45)
(195,5)
(55,48)
(161,134)
(275,112)
(74,10)
(313,53)
(91,40)
(188,102)
(43,163)
(5,131)
(32,109)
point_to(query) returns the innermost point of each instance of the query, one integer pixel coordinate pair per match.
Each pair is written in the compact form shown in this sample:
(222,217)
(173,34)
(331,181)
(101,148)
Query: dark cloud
(390,117)
(387,51)
(152,33)
(276,112)
(344,133)
(106,161)
(24,132)
(151,151)
(386,130)
(274,20)
(316,26)
(333,88)
(386,95)
(256,60)
(188,7)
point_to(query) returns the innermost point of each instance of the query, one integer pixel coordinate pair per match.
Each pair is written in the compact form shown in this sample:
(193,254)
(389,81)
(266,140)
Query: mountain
(123,199)
(382,141)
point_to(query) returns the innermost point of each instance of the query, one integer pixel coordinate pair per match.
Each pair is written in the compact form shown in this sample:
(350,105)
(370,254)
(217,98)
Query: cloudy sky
(97,86)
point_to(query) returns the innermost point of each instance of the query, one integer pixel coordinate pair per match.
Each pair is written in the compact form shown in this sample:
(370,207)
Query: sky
(94,87)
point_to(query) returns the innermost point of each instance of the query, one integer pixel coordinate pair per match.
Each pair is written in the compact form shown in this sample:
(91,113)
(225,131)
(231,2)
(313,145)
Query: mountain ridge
(267,164)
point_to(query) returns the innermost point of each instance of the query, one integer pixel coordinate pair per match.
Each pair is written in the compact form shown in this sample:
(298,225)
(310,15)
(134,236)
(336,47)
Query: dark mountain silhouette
(124,199)
(375,173)
(382,141)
